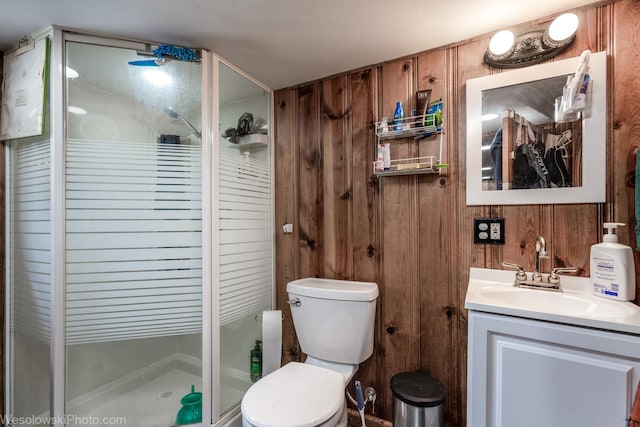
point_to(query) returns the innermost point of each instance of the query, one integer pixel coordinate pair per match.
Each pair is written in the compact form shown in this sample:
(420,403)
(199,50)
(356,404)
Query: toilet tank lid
(344,290)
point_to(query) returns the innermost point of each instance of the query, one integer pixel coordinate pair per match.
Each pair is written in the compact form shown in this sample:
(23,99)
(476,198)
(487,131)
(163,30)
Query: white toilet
(334,321)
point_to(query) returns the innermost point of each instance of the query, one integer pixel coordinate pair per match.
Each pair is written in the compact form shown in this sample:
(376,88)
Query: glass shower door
(245,228)
(28,373)
(133,237)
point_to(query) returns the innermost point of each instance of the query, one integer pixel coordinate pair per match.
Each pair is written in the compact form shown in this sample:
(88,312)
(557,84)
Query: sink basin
(493,291)
(568,303)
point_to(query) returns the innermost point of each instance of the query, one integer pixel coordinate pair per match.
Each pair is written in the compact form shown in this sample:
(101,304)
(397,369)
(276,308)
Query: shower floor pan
(148,397)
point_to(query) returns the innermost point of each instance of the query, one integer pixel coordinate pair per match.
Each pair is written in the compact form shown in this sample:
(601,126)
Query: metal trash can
(417,400)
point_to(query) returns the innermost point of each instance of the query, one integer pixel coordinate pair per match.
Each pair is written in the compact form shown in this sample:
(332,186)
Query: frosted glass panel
(133,239)
(28,277)
(133,236)
(246,230)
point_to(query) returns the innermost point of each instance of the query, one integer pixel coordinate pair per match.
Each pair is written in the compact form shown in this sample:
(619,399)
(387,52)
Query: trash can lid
(418,388)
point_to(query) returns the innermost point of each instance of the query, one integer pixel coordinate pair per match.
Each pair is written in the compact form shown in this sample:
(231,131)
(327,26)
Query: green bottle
(256,361)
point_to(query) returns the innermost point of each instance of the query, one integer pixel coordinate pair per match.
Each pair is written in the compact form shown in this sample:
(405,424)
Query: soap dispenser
(612,269)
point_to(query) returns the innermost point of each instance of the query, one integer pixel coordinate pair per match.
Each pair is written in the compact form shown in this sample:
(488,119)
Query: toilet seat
(297,394)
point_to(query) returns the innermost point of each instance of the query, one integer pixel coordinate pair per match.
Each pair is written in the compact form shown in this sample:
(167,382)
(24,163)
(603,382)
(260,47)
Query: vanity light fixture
(532,46)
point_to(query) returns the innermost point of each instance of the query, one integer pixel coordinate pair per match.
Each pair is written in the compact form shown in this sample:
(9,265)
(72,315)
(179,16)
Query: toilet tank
(335,318)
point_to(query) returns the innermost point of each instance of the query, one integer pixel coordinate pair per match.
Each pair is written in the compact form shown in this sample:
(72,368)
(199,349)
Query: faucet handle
(520,274)
(554,276)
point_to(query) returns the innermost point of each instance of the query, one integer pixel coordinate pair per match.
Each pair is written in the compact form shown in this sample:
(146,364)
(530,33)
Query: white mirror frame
(594,131)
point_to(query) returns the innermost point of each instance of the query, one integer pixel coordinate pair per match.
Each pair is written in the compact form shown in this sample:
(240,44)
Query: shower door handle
(295,302)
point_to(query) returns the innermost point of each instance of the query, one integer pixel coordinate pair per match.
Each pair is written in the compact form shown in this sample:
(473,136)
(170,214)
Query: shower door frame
(59,38)
(211,369)
(212,108)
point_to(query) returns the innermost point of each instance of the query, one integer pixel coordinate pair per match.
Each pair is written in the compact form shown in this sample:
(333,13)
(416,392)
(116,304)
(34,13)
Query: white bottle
(613,272)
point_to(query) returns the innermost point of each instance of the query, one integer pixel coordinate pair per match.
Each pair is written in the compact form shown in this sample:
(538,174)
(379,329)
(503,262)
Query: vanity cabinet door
(529,373)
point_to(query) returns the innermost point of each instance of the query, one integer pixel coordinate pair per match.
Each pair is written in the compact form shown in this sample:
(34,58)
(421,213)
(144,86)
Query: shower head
(174,115)
(171,113)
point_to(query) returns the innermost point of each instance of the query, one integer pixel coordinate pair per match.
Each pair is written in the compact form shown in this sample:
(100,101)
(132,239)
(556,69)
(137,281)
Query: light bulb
(501,42)
(563,27)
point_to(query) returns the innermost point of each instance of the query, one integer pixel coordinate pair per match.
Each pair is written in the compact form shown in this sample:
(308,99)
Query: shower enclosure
(139,239)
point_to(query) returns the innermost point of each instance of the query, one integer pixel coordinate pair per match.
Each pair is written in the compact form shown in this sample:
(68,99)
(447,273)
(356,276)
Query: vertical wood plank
(337,191)
(397,85)
(365,212)
(435,201)
(400,302)
(286,212)
(626,122)
(310,187)
(465,63)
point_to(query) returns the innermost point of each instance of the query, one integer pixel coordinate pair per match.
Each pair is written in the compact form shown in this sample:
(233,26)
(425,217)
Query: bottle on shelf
(398,115)
(386,156)
(379,166)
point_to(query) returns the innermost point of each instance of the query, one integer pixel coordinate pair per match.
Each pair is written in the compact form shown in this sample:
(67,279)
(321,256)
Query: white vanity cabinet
(533,373)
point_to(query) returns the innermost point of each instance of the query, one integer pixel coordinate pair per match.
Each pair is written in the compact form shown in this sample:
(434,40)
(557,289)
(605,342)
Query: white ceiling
(282,42)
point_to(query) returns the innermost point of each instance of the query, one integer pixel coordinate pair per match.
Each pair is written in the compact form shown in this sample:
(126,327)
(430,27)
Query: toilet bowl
(298,394)
(334,322)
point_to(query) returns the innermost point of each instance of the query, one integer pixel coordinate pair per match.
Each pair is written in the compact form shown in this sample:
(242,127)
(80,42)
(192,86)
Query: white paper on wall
(23,91)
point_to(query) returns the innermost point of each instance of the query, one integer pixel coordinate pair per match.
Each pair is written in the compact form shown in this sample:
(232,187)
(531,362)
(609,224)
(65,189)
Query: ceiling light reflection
(157,77)
(76,110)
(490,116)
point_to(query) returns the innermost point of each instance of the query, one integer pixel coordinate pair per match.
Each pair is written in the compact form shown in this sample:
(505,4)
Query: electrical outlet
(488,231)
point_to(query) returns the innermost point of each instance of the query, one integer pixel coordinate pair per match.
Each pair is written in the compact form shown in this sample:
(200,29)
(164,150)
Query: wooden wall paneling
(626,120)
(400,222)
(286,184)
(397,85)
(337,184)
(575,229)
(365,213)
(523,225)
(465,63)
(400,302)
(310,179)
(437,305)
(400,296)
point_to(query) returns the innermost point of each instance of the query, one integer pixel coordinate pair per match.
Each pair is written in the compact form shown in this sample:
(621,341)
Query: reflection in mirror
(523,147)
(518,152)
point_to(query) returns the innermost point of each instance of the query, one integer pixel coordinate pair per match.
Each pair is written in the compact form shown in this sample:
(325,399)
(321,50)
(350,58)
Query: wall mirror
(518,154)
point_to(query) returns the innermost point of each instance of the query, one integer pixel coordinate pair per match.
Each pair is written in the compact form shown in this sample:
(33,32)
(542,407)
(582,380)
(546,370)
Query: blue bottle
(398,115)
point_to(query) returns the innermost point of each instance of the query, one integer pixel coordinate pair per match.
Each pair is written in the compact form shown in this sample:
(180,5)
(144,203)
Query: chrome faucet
(550,282)
(541,252)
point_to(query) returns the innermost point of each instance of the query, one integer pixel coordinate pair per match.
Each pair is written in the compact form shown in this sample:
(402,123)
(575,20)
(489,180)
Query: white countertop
(492,291)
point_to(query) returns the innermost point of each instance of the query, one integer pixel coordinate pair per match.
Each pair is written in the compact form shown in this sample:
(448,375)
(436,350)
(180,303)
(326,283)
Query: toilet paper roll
(271,340)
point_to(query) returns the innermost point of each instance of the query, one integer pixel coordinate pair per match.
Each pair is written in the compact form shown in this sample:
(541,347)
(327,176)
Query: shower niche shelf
(254,140)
